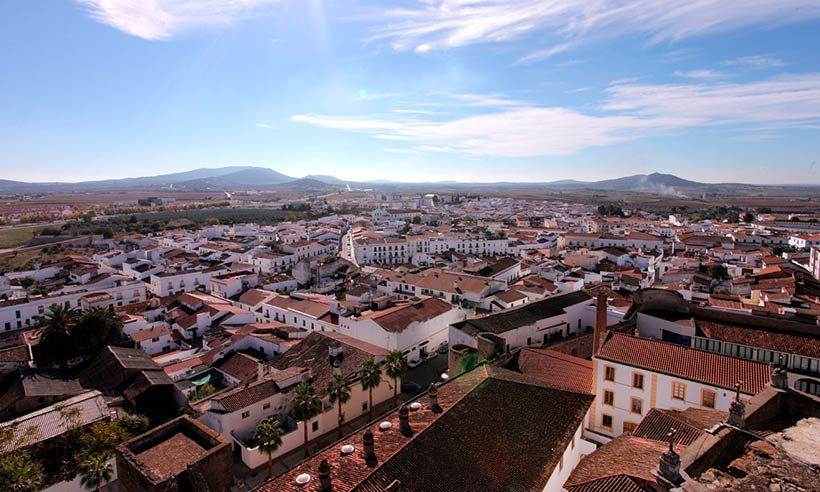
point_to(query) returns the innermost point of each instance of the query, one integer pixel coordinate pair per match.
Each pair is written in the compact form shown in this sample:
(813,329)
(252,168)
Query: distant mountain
(252,177)
(243,178)
(324,178)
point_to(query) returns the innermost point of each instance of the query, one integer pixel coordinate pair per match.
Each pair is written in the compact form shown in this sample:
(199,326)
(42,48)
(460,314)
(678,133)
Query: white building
(633,375)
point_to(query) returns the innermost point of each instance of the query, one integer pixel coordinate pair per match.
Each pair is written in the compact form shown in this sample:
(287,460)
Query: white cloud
(162,19)
(630,111)
(563,24)
(781,100)
(757,61)
(266,126)
(702,74)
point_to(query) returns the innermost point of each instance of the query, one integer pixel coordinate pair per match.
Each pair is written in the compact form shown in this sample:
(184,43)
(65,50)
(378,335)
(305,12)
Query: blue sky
(470,90)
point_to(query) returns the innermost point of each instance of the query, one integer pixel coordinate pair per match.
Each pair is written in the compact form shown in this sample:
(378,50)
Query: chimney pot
(404,421)
(324,477)
(369,449)
(433,394)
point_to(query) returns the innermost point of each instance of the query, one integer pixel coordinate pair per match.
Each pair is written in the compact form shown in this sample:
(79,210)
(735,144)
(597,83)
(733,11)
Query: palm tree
(370,375)
(96,327)
(269,437)
(305,406)
(95,471)
(338,389)
(396,367)
(55,344)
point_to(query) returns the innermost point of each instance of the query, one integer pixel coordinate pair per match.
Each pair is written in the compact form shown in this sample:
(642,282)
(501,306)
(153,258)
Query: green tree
(268,436)
(305,405)
(20,472)
(56,344)
(370,375)
(95,470)
(134,424)
(212,221)
(26,282)
(396,367)
(96,327)
(417,219)
(338,390)
(748,217)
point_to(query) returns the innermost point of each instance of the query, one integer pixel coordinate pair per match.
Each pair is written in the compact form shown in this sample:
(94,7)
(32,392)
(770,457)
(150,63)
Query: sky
(412,90)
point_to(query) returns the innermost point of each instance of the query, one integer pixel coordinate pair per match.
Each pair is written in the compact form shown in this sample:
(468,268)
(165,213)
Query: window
(609,373)
(678,391)
(636,405)
(637,380)
(364,406)
(630,426)
(707,398)
(315,426)
(609,398)
(606,421)
(246,414)
(266,406)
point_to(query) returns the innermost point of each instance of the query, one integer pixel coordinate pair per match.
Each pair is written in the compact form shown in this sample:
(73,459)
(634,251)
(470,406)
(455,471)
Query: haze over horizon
(414,91)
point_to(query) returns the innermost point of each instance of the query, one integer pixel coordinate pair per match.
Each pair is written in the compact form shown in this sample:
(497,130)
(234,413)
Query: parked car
(413,362)
(411,388)
(442,349)
(430,355)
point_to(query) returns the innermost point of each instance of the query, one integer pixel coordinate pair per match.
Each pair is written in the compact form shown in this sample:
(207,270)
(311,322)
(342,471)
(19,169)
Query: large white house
(633,375)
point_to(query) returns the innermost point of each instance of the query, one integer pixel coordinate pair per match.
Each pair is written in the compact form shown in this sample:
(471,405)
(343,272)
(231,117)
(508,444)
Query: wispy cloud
(702,74)
(564,24)
(266,126)
(629,111)
(163,19)
(756,61)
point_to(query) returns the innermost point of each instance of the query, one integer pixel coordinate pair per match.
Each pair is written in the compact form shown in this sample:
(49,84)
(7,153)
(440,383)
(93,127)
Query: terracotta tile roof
(239,398)
(446,453)
(150,333)
(523,315)
(612,483)
(171,456)
(241,366)
(398,318)
(677,360)
(626,455)
(690,424)
(794,343)
(555,369)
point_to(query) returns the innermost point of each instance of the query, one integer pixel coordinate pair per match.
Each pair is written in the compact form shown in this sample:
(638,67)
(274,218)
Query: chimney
(433,394)
(336,356)
(600,323)
(780,378)
(369,449)
(669,466)
(261,369)
(404,421)
(324,477)
(737,410)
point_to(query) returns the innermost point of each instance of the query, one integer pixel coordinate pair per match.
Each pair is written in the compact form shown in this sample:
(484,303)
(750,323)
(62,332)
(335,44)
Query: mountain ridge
(250,177)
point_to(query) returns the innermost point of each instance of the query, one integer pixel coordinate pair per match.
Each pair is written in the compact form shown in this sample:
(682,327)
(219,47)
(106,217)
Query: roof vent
(385,426)
(302,479)
(348,449)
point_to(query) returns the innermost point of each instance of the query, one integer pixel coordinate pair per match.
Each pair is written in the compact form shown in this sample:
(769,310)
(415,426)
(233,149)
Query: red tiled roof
(677,360)
(557,370)
(398,318)
(612,483)
(626,455)
(689,425)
